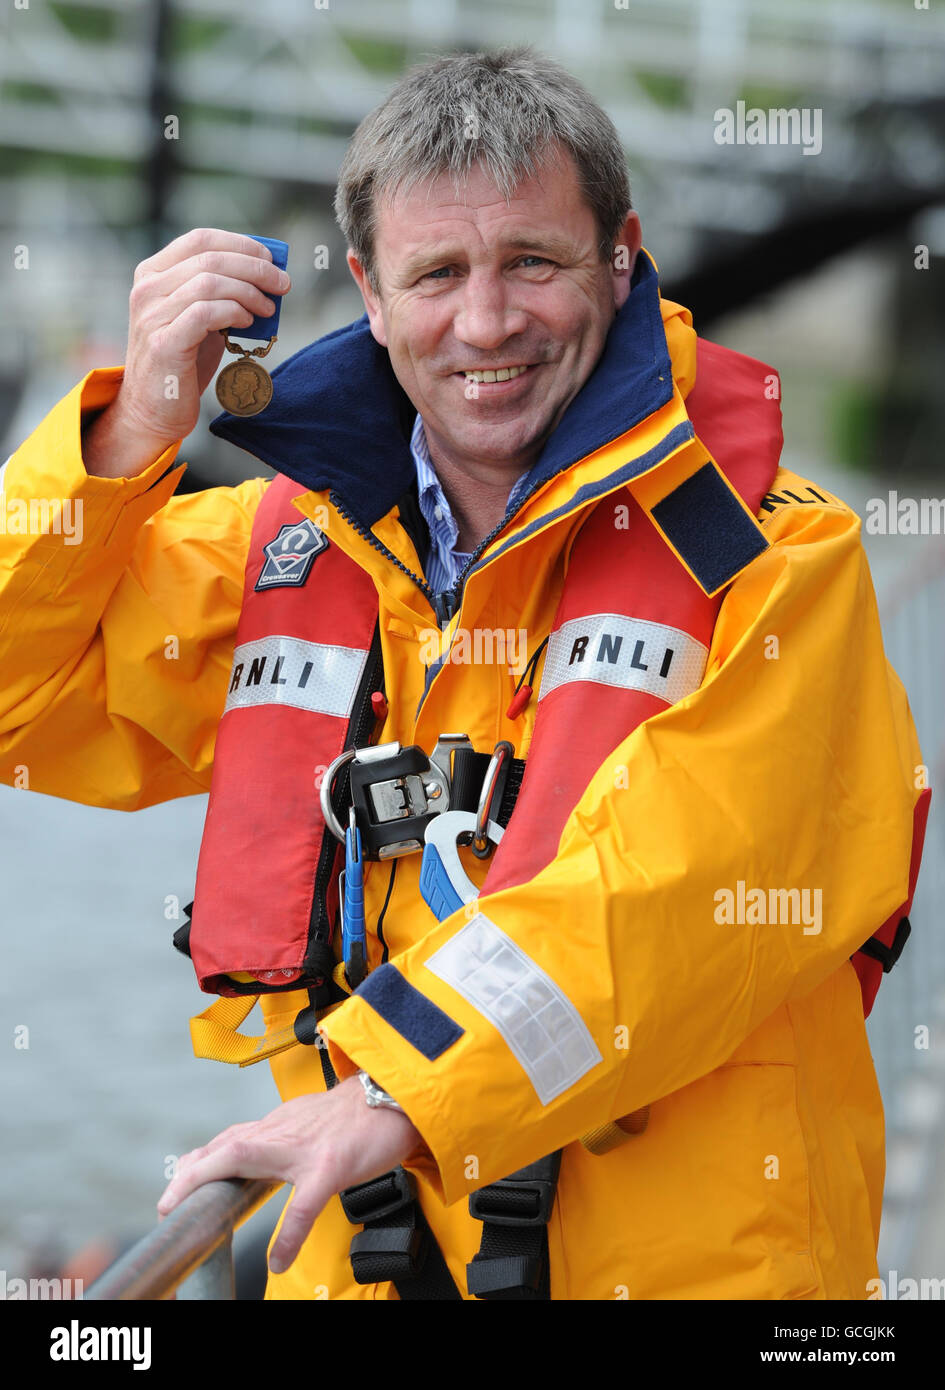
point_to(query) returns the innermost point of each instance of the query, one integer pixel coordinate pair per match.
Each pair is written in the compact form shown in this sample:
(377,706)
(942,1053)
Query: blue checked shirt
(444,561)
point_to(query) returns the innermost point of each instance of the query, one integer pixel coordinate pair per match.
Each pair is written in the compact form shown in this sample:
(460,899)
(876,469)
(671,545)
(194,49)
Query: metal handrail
(194,1242)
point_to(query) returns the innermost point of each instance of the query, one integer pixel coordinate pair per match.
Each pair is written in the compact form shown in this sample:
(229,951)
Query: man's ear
(626,249)
(371,302)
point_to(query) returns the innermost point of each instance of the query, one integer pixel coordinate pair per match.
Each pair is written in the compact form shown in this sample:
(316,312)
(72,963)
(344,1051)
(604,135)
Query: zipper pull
(444,605)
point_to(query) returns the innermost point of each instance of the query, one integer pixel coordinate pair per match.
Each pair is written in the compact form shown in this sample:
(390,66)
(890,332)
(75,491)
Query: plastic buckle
(390,1252)
(395,791)
(359,1207)
(537,1213)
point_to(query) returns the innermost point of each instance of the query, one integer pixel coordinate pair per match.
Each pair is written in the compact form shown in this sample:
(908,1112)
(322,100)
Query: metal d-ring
(481,846)
(324,794)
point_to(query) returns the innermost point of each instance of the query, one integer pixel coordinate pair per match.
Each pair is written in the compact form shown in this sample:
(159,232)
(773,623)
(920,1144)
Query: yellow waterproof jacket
(760,1173)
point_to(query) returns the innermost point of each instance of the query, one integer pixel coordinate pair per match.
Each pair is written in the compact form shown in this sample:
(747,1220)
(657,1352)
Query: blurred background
(125,122)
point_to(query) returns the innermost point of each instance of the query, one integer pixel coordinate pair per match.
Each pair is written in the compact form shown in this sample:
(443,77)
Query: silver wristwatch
(375,1096)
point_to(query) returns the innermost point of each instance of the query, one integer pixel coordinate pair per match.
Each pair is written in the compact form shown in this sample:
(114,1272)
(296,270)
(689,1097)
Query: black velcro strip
(704,522)
(415,1017)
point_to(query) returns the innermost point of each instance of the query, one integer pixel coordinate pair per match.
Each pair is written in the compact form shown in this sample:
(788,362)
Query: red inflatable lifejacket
(303,671)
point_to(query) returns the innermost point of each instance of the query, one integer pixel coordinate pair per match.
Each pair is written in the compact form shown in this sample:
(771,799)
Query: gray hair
(506,111)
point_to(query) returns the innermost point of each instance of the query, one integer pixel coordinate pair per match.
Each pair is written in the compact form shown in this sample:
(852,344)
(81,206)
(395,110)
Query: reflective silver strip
(2,471)
(287,671)
(612,649)
(537,1020)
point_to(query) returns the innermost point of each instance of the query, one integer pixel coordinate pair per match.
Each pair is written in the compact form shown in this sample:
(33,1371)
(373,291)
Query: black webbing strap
(512,1262)
(396,1243)
(888,955)
(469,770)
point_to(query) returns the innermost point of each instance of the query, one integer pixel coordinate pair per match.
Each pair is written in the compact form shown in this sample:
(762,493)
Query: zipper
(369,536)
(447,604)
(444,605)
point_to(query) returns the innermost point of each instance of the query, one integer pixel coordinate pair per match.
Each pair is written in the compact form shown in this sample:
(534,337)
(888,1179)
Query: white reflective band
(612,649)
(2,471)
(537,1020)
(286,671)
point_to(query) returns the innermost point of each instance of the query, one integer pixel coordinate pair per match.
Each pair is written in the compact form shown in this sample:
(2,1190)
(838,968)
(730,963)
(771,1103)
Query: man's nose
(487,316)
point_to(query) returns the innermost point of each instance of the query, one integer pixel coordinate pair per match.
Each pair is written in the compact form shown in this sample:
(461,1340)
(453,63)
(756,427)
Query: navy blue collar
(340,419)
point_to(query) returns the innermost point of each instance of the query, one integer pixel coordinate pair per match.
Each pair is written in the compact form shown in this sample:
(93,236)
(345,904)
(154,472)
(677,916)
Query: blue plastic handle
(353,940)
(436,889)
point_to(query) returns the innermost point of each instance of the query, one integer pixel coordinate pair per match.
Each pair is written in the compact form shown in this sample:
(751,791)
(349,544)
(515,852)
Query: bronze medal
(244,387)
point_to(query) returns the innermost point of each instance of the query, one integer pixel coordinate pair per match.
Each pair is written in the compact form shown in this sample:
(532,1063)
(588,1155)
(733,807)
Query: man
(719,793)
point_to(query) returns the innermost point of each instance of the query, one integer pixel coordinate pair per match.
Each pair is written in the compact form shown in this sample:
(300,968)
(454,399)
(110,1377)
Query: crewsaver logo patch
(290,556)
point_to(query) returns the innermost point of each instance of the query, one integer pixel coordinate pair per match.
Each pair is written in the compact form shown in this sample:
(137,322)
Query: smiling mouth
(490,374)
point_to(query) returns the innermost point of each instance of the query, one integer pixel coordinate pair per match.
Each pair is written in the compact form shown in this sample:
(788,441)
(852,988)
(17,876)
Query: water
(108,1087)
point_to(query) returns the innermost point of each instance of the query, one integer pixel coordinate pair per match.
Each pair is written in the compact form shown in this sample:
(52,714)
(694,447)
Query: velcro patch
(709,528)
(415,1017)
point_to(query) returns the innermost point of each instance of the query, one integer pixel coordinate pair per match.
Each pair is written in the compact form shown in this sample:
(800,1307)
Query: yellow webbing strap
(215,1034)
(609,1136)
(340,978)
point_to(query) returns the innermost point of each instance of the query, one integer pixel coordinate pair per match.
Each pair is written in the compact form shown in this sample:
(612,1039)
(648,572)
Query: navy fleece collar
(340,419)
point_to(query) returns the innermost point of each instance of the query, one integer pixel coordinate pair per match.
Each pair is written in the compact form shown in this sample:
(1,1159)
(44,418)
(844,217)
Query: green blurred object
(88,22)
(853,420)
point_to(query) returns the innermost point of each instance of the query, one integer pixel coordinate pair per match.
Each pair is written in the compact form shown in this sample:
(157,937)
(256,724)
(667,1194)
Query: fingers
(216,272)
(198,240)
(189,329)
(161,299)
(208,287)
(204,282)
(300,1216)
(222,1158)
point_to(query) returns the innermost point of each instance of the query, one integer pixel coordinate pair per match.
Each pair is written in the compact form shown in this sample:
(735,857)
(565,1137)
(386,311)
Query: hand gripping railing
(193,1243)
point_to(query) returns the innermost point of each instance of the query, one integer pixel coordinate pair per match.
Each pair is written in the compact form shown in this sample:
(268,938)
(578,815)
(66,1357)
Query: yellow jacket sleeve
(118,612)
(791,767)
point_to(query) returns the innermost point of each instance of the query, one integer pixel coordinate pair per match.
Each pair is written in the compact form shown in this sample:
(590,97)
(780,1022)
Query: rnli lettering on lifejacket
(630,652)
(804,495)
(287,671)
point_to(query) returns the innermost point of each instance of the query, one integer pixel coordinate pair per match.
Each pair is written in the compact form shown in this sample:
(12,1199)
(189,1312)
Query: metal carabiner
(481,844)
(324,793)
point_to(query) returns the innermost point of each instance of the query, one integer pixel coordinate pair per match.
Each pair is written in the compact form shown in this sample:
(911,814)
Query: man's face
(479,284)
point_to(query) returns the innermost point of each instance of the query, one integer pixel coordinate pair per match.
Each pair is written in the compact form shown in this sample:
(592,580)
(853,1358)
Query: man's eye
(442,270)
(539,260)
